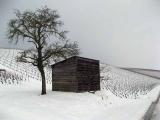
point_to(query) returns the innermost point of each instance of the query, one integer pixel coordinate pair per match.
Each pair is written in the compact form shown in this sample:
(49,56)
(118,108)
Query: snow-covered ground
(156,112)
(24,102)
(123,96)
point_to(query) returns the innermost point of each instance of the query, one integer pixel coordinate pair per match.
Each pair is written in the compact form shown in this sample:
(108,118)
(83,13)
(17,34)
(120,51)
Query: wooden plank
(76,74)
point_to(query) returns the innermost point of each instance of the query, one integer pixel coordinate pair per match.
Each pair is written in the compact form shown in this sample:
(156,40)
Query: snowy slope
(27,71)
(121,83)
(126,84)
(115,101)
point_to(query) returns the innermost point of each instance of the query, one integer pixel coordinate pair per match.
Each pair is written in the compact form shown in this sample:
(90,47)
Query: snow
(24,102)
(8,62)
(156,115)
(123,96)
(149,72)
(126,84)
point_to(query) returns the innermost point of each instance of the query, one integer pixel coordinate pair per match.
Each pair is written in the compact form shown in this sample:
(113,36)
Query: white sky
(117,32)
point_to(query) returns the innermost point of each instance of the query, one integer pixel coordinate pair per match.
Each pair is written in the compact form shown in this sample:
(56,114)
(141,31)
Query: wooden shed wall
(76,74)
(88,75)
(64,76)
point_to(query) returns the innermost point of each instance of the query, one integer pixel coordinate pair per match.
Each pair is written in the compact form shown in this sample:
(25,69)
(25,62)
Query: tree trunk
(41,69)
(43,92)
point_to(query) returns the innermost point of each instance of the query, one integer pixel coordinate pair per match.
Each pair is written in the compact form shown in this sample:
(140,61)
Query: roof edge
(74,57)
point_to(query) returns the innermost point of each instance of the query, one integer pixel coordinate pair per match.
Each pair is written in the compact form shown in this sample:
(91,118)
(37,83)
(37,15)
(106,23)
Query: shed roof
(74,57)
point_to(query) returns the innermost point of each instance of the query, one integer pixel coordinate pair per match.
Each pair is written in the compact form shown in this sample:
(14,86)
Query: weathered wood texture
(76,74)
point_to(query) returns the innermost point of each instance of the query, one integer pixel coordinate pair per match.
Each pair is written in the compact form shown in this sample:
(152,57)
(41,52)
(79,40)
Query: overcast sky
(117,32)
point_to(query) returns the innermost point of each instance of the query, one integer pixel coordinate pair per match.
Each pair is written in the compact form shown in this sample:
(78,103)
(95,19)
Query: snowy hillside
(120,82)
(25,71)
(126,84)
(115,101)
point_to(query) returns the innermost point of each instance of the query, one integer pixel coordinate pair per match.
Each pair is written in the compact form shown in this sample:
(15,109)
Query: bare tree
(41,28)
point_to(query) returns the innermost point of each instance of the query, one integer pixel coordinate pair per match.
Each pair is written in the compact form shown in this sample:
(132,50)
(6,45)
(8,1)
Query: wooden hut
(76,74)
